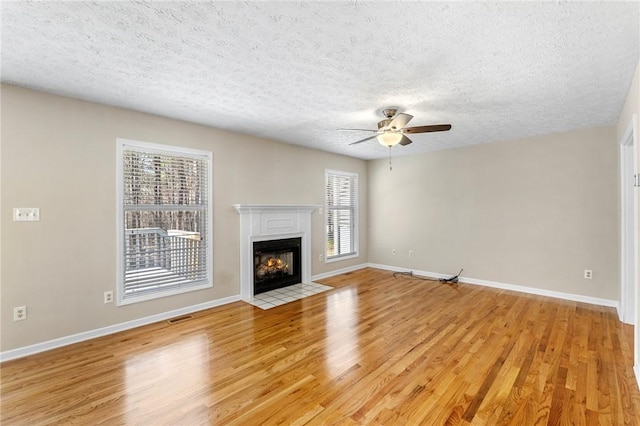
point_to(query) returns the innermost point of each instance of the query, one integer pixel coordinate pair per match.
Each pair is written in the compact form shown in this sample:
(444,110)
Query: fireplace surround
(262,222)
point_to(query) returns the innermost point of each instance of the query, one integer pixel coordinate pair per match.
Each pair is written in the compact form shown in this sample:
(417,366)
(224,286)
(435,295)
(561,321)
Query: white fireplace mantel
(261,222)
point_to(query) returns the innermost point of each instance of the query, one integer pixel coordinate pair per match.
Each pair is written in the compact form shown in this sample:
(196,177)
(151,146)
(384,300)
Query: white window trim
(121,144)
(356,218)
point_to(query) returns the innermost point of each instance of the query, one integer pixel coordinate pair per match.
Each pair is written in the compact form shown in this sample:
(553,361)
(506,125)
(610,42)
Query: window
(341,202)
(164,220)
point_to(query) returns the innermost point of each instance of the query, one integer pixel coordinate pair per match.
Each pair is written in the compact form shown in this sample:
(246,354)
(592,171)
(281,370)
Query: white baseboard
(511,287)
(619,311)
(92,334)
(339,271)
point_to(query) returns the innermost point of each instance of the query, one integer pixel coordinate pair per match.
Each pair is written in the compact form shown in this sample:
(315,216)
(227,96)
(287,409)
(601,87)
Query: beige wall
(632,104)
(534,212)
(58,154)
(631,107)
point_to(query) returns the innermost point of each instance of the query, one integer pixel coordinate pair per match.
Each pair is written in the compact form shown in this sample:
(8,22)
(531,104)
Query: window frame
(121,146)
(355,252)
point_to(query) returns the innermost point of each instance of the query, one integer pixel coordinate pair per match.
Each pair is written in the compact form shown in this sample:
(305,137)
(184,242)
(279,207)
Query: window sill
(151,296)
(339,258)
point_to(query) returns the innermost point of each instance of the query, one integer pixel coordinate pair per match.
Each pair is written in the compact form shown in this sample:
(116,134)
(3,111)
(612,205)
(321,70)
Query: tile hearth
(280,296)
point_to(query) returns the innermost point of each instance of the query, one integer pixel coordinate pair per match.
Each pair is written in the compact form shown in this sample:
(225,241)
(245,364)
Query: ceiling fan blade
(425,129)
(405,141)
(363,140)
(361,130)
(399,121)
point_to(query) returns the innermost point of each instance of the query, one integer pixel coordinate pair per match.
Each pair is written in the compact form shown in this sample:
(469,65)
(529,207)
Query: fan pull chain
(390,168)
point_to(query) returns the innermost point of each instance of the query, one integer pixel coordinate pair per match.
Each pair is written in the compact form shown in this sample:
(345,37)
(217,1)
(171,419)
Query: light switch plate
(26,214)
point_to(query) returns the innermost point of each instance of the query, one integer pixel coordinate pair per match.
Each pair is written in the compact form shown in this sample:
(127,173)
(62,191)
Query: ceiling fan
(391,130)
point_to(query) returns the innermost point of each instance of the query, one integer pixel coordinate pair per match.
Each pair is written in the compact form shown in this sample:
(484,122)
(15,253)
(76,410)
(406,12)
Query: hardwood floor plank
(375,350)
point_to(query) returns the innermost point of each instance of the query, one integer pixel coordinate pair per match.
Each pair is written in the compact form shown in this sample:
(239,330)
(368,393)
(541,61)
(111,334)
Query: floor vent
(179,319)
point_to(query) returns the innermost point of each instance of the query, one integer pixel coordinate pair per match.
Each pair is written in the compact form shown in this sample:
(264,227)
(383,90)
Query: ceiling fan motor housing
(389,112)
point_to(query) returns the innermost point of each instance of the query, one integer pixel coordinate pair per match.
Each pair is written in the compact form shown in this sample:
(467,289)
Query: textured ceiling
(298,71)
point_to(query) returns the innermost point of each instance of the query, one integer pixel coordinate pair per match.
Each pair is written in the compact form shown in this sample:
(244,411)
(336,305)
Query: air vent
(176,320)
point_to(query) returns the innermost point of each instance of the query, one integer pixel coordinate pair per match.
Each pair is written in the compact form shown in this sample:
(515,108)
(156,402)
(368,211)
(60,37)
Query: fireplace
(260,222)
(276,264)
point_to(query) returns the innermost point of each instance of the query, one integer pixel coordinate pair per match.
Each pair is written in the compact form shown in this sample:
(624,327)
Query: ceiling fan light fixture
(390,139)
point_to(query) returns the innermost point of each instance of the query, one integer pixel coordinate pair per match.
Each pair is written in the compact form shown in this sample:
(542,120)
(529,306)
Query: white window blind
(341,201)
(165,220)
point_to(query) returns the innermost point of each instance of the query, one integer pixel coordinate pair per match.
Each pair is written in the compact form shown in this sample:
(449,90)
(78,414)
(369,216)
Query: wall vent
(179,319)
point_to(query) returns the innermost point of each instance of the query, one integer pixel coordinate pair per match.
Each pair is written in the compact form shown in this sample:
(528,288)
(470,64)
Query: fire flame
(272,266)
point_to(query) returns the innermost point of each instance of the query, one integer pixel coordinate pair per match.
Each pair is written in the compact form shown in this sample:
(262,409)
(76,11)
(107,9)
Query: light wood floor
(375,350)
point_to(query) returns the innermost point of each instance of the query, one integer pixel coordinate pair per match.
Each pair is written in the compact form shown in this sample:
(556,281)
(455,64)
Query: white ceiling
(298,71)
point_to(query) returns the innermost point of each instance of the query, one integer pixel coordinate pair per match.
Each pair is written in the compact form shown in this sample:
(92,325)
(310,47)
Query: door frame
(628,312)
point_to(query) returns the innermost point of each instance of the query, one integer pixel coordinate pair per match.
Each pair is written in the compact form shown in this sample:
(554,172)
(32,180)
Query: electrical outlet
(321,257)
(393,251)
(108,296)
(410,253)
(19,313)
(26,214)
(588,274)
(320,210)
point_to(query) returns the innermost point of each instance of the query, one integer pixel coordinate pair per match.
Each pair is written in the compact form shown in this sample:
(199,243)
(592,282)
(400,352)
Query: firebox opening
(276,264)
